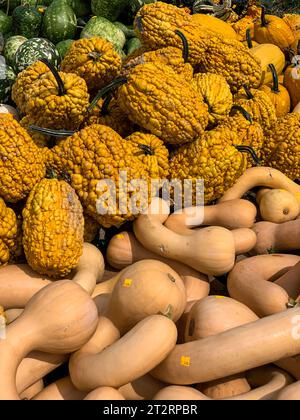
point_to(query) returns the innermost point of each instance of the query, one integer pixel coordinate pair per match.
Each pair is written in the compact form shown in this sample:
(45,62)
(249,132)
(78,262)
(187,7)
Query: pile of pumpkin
(198,100)
(199,304)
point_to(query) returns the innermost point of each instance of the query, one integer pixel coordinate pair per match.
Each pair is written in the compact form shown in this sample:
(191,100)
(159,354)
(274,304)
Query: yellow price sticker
(185,361)
(120,236)
(297,195)
(219,297)
(127,282)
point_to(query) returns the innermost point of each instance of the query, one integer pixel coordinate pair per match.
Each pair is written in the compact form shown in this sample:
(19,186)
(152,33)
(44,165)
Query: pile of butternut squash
(200,304)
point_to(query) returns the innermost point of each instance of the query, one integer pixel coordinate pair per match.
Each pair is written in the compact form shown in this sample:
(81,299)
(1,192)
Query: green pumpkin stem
(248,92)
(249,149)
(275,87)
(264,22)
(242,110)
(185,50)
(7,7)
(51,132)
(105,105)
(104,91)
(60,83)
(249,39)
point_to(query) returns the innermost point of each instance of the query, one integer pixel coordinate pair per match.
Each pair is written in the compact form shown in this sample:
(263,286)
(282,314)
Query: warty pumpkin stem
(51,132)
(242,110)
(185,50)
(264,22)
(249,39)
(249,149)
(102,92)
(51,67)
(248,92)
(105,105)
(275,87)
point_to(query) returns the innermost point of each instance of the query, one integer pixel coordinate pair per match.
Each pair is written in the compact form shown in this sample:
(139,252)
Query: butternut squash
(35,366)
(105,335)
(210,250)
(104,393)
(273,237)
(215,314)
(225,387)
(18,283)
(258,343)
(124,249)
(12,315)
(143,388)
(232,214)
(125,360)
(277,205)
(269,379)
(290,392)
(145,288)
(33,390)
(261,177)
(289,281)
(62,389)
(250,282)
(181,323)
(60,318)
(290,365)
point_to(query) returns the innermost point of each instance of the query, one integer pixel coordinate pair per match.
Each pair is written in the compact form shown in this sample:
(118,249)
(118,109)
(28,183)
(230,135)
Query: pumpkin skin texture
(268,54)
(214,24)
(273,30)
(160,101)
(258,105)
(21,164)
(292,82)
(170,56)
(279,96)
(105,154)
(241,27)
(8,233)
(212,158)
(293,21)
(156,23)
(152,153)
(91,228)
(53,228)
(281,147)
(216,94)
(250,133)
(112,116)
(51,109)
(41,140)
(23,82)
(93,59)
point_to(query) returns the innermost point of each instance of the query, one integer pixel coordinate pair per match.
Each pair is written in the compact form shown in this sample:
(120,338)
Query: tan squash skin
(143,388)
(33,390)
(261,177)
(145,288)
(104,393)
(215,314)
(18,283)
(249,283)
(126,359)
(181,323)
(276,237)
(297,108)
(260,342)
(291,392)
(124,249)
(277,206)
(60,318)
(225,387)
(270,382)
(12,314)
(289,281)
(35,366)
(62,389)
(210,250)
(105,335)
(230,214)
(290,365)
